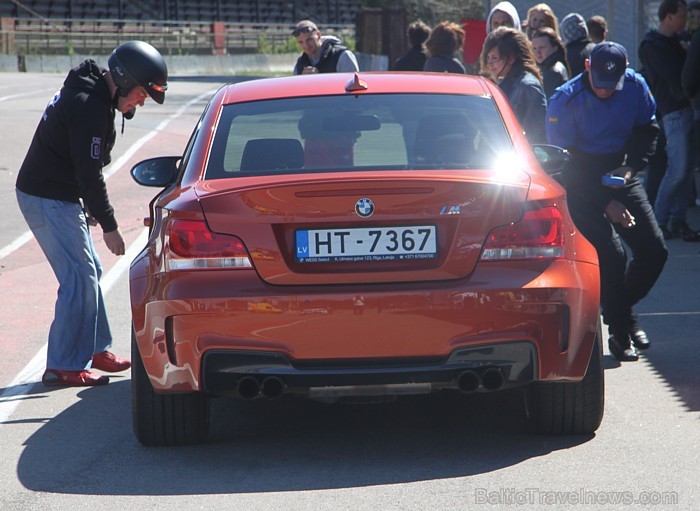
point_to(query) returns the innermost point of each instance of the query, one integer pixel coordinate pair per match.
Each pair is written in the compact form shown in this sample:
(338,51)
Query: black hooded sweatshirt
(72,143)
(663,58)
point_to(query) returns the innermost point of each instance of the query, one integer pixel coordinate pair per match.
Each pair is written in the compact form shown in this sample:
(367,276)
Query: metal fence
(68,36)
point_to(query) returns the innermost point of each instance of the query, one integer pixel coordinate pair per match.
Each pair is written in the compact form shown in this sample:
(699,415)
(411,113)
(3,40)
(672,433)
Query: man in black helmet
(61,191)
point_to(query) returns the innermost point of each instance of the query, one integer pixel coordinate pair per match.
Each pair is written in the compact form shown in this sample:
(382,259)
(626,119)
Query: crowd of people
(572,87)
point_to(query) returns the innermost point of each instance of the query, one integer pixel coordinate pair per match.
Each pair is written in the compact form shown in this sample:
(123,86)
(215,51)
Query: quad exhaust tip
(468,381)
(272,387)
(249,387)
(490,379)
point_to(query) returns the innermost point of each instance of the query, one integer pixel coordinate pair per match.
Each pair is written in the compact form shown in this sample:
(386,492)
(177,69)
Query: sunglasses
(302,30)
(157,87)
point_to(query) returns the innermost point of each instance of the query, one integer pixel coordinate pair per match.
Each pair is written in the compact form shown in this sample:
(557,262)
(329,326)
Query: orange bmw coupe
(347,237)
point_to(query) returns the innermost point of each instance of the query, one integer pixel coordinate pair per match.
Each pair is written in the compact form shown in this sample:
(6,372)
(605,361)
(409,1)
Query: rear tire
(569,408)
(165,419)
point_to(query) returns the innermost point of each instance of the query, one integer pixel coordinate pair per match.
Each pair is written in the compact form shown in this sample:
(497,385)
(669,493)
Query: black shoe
(623,353)
(639,336)
(682,230)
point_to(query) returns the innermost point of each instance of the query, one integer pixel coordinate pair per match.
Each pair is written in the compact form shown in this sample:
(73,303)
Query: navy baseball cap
(608,63)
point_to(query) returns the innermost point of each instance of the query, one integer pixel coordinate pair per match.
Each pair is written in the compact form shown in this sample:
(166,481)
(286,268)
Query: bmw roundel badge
(364,208)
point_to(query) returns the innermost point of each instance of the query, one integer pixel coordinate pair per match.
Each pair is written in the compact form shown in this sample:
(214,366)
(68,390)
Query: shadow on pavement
(284,445)
(671,317)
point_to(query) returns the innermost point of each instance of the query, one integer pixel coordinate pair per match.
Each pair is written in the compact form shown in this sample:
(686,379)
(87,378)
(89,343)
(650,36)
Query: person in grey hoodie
(574,33)
(504,14)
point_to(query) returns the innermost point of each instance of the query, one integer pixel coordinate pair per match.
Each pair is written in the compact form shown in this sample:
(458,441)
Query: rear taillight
(538,235)
(191,245)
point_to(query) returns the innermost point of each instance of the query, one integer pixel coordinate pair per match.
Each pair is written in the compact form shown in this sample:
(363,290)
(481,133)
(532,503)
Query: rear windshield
(363,132)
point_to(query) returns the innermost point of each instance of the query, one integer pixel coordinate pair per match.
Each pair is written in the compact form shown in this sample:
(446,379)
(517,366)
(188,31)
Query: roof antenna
(356,84)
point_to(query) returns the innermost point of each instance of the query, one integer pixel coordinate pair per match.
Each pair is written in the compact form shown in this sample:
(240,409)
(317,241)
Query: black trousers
(623,281)
(657,165)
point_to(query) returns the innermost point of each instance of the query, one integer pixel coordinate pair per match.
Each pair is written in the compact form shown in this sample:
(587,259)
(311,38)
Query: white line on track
(687,313)
(29,376)
(13,96)
(115,166)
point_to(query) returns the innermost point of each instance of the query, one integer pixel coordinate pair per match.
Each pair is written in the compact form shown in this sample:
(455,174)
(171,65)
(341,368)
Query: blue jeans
(676,189)
(80,327)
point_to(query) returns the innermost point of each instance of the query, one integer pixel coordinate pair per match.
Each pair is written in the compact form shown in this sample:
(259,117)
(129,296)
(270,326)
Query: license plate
(366,244)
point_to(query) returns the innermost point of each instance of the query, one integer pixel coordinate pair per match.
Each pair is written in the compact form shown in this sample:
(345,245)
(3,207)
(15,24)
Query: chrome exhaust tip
(248,387)
(468,381)
(492,379)
(272,387)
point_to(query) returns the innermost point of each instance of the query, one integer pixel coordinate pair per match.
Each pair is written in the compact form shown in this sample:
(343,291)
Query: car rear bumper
(196,317)
(480,368)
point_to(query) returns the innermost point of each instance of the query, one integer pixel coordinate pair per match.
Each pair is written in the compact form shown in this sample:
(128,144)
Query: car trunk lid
(341,229)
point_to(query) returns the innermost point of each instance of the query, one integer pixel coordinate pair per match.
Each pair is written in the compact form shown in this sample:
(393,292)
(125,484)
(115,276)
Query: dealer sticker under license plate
(366,244)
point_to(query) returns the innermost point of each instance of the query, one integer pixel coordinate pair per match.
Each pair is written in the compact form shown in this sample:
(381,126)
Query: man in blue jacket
(605,117)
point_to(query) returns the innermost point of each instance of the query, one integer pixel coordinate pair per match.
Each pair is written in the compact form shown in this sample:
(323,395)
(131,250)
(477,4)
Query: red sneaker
(56,378)
(109,362)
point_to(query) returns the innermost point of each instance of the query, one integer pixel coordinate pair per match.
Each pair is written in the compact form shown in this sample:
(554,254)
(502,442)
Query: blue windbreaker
(601,134)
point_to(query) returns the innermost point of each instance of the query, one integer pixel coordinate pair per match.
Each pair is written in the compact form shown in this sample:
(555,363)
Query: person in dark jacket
(605,118)
(61,192)
(550,56)
(690,79)
(445,40)
(322,54)
(414,59)
(507,59)
(663,57)
(597,28)
(574,33)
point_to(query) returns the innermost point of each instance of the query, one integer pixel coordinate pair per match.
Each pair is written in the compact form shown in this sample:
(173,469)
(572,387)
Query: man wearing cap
(605,117)
(61,192)
(322,54)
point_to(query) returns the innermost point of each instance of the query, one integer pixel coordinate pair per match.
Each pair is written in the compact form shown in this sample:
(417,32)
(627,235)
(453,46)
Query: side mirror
(159,172)
(553,159)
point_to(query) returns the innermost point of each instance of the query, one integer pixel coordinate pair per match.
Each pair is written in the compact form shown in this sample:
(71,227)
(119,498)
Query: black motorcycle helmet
(138,63)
